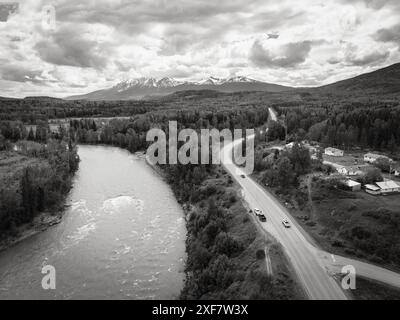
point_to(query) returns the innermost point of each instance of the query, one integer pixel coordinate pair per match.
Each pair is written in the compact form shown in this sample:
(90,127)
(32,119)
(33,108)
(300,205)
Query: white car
(286,223)
(257,212)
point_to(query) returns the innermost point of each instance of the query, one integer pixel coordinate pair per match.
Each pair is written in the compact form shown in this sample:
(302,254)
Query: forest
(225,252)
(214,247)
(36,171)
(347,126)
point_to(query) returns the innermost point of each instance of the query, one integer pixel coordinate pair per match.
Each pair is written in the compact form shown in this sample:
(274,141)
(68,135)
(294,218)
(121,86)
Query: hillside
(382,81)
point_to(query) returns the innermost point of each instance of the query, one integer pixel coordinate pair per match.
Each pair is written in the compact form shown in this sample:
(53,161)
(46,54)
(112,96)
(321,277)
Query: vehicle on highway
(262,218)
(257,212)
(286,223)
(243,176)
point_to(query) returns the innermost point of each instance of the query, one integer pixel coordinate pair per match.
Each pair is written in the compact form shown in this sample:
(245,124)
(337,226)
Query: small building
(372,189)
(388,187)
(395,170)
(334,152)
(16,148)
(372,157)
(350,170)
(289,146)
(352,185)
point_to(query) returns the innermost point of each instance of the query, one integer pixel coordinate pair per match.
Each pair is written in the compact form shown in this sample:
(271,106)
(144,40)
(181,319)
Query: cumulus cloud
(368,59)
(7,9)
(22,74)
(96,43)
(288,55)
(391,34)
(68,47)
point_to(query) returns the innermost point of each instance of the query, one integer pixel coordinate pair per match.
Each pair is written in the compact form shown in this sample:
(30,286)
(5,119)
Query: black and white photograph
(170,152)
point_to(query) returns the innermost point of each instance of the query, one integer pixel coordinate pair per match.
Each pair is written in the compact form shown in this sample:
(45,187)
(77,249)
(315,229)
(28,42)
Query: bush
(311,223)
(260,254)
(338,244)
(373,175)
(226,244)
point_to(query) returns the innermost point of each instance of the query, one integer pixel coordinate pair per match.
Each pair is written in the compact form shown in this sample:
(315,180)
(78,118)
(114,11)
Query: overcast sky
(96,43)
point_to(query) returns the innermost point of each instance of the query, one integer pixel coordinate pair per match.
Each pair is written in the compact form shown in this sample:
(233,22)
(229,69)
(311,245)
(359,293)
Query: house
(334,152)
(388,187)
(350,170)
(395,170)
(352,185)
(372,189)
(372,157)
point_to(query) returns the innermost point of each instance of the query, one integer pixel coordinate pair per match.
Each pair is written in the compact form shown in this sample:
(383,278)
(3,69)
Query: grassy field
(371,290)
(349,159)
(351,223)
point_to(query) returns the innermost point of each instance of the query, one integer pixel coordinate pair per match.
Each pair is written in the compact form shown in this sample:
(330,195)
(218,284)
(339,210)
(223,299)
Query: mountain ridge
(147,87)
(382,81)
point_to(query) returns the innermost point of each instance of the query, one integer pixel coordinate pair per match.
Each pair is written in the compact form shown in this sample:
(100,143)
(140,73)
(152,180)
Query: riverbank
(39,224)
(35,182)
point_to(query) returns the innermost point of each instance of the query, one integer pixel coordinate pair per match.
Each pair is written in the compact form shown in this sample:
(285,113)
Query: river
(122,237)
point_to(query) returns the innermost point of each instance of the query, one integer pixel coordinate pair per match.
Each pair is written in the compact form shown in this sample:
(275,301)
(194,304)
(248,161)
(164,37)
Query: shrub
(260,254)
(226,244)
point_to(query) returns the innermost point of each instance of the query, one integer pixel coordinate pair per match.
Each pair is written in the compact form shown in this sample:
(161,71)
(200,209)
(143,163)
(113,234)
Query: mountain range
(150,87)
(386,80)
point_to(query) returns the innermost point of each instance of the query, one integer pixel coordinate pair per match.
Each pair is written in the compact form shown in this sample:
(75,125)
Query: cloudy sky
(94,44)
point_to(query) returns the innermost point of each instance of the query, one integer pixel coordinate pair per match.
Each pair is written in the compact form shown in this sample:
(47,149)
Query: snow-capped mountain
(241,79)
(147,83)
(146,87)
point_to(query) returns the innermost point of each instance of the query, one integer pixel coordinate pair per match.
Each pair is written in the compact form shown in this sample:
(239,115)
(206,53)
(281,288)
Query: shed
(353,185)
(372,189)
(334,152)
(372,157)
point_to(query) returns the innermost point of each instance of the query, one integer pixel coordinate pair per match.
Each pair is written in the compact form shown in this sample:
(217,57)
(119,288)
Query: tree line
(374,125)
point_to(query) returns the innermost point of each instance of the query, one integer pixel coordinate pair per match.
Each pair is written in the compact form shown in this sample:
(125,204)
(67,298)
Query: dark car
(262,218)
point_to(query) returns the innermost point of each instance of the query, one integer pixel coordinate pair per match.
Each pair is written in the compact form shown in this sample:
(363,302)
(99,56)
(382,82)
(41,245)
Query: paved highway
(315,268)
(312,274)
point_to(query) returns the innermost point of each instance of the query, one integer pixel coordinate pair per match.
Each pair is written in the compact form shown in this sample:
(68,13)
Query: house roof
(351,168)
(388,184)
(352,183)
(375,155)
(333,149)
(372,187)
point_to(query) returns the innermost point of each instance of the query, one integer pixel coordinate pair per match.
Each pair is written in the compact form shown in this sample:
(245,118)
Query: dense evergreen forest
(373,125)
(131,133)
(333,120)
